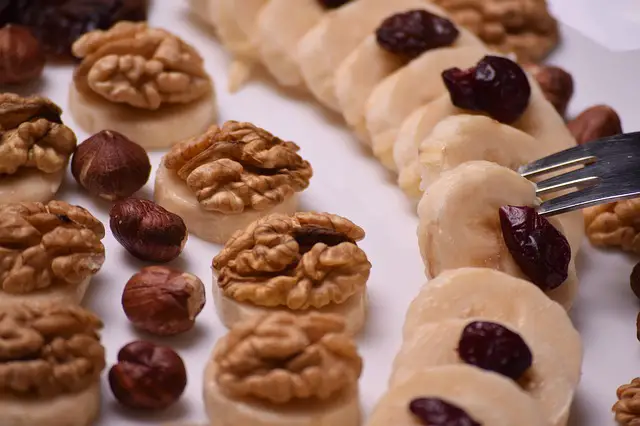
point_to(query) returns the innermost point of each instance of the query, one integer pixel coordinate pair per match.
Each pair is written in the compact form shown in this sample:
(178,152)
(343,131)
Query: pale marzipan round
(343,410)
(174,195)
(68,294)
(230,312)
(153,130)
(30,185)
(79,409)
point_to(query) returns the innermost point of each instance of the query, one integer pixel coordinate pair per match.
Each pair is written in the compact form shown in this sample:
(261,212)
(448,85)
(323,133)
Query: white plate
(351,183)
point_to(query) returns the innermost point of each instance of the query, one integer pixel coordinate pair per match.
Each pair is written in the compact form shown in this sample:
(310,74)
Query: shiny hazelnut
(163,301)
(594,123)
(110,166)
(22,58)
(147,376)
(147,230)
(556,84)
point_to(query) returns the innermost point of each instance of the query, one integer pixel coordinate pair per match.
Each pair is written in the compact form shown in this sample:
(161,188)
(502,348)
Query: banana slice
(368,65)
(455,231)
(488,398)
(495,296)
(30,185)
(461,138)
(546,381)
(335,36)
(281,25)
(415,85)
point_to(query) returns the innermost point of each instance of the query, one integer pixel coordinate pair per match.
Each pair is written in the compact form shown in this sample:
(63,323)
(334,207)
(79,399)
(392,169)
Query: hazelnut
(110,166)
(634,280)
(163,301)
(556,84)
(22,58)
(594,123)
(147,376)
(147,230)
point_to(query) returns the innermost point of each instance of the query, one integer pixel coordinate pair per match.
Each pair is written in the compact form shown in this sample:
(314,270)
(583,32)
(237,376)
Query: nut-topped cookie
(300,263)
(35,147)
(283,369)
(221,181)
(48,252)
(142,82)
(50,364)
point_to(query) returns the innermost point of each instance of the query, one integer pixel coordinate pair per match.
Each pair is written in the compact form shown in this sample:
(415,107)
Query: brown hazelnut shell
(22,58)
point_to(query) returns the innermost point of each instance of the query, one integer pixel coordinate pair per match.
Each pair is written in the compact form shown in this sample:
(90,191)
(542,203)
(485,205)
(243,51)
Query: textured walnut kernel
(299,261)
(140,66)
(281,357)
(32,135)
(49,350)
(627,409)
(239,166)
(523,27)
(42,245)
(614,225)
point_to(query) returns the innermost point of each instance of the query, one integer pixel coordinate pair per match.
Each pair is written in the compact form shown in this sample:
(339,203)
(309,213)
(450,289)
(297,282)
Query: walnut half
(42,245)
(49,350)
(140,66)
(280,357)
(615,225)
(239,166)
(32,135)
(300,261)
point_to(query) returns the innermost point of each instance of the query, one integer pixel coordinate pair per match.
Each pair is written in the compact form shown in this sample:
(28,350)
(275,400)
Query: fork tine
(560,160)
(576,178)
(591,196)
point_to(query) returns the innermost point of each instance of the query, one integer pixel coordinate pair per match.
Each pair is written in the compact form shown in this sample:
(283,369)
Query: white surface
(349,182)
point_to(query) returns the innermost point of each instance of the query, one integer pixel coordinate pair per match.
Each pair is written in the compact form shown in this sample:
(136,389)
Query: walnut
(299,261)
(140,66)
(239,166)
(49,350)
(281,357)
(42,245)
(523,27)
(615,225)
(627,409)
(32,135)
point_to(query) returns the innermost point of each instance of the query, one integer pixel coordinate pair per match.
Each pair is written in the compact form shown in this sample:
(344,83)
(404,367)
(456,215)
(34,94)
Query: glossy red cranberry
(333,4)
(412,33)
(539,249)
(492,347)
(436,412)
(496,86)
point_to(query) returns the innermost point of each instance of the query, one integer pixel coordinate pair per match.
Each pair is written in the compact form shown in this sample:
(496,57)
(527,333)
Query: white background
(349,182)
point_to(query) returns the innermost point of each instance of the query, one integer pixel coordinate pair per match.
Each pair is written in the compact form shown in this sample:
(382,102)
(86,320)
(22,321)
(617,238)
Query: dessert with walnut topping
(221,181)
(34,148)
(48,252)
(50,364)
(300,263)
(143,82)
(283,369)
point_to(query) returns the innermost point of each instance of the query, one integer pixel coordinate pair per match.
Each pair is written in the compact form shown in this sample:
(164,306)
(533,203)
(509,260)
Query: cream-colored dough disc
(64,294)
(174,195)
(30,185)
(153,130)
(79,409)
(343,410)
(230,312)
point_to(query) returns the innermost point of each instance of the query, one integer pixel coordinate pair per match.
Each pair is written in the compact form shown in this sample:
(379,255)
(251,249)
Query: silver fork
(610,172)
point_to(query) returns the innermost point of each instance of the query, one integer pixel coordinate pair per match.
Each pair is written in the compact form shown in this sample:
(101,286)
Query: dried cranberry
(538,248)
(496,86)
(333,4)
(60,23)
(436,412)
(412,33)
(492,347)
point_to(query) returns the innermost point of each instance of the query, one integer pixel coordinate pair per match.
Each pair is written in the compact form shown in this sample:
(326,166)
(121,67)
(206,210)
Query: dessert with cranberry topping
(459,395)
(419,39)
